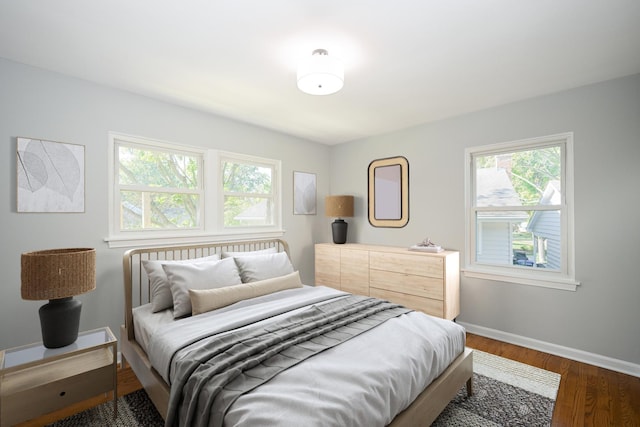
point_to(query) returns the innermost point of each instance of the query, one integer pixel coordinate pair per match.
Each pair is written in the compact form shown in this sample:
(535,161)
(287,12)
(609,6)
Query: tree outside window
(159,190)
(248,193)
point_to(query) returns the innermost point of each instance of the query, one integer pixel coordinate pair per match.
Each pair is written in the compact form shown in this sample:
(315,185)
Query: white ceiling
(406,61)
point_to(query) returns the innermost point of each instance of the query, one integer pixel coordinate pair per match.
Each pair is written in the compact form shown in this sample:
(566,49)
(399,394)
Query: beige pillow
(203,300)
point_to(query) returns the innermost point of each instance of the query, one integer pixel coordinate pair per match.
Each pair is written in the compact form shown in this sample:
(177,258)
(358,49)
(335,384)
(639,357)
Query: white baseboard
(558,350)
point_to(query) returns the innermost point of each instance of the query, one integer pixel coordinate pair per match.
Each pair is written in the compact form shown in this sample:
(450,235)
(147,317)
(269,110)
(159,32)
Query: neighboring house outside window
(519,198)
(169,193)
(495,237)
(546,227)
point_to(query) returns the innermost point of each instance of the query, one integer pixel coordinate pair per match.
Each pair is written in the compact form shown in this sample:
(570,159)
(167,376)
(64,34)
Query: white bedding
(365,381)
(146,322)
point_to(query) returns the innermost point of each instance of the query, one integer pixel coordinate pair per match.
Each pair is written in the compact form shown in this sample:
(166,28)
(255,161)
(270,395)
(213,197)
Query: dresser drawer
(407,263)
(354,271)
(421,286)
(327,266)
(426,305)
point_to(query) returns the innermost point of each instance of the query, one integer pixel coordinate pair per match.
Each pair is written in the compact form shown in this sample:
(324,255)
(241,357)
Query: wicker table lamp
(339,207)
(57,275)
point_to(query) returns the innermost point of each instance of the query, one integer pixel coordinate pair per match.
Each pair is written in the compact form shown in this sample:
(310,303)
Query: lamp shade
(57,273)
(338,206)
(320,74)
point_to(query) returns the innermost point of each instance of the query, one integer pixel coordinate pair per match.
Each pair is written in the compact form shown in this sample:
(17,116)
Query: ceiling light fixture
(320,74)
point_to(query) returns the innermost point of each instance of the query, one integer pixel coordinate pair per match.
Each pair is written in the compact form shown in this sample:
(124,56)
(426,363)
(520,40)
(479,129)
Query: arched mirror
(389,192)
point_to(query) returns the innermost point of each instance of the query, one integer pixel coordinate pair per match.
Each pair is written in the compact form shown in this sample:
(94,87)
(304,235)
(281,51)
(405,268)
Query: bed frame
(422,412)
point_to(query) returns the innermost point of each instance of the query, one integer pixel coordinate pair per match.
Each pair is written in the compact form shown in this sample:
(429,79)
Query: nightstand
(35,380)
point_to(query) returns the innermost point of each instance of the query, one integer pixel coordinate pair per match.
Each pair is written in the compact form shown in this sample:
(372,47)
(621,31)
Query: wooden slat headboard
(137,289)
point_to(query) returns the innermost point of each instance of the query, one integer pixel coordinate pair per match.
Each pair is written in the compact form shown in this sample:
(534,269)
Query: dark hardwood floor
(588,395)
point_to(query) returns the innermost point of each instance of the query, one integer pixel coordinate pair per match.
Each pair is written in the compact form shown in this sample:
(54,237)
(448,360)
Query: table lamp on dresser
(57,275)
(339,207)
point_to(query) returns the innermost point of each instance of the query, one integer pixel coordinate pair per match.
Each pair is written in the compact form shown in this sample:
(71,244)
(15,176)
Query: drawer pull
(62,393)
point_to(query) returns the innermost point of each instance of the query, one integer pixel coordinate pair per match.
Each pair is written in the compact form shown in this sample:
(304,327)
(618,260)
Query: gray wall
(602,317)
(40,104)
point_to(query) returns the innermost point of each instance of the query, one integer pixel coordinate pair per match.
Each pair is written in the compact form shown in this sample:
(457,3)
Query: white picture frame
(50,176)
(304,193)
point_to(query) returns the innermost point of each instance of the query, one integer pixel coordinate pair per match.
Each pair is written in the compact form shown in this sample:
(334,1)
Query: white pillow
(161,297)
(183,277)
(273,250)
(212,299)
(261,267)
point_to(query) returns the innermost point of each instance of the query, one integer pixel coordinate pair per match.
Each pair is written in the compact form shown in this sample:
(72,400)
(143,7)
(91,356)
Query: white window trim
(564,279)
(212,230)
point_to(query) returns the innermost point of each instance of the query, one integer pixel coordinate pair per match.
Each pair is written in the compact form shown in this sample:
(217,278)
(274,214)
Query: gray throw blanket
(216,374)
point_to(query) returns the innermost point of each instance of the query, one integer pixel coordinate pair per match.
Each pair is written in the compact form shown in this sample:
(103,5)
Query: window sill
(541,280)
(168,240)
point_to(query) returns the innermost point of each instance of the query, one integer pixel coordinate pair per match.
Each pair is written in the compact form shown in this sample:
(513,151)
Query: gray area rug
(506,393)
(134,410)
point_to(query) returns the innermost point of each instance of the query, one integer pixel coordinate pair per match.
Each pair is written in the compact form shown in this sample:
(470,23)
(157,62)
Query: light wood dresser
(429,282)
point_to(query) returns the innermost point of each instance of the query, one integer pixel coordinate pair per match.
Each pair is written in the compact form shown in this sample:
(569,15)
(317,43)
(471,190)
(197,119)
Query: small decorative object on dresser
(426,246)
(57,275)
(429,282)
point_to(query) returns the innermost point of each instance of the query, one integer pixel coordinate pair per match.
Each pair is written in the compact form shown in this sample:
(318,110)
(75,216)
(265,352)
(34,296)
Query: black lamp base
(60,321)
(339,230)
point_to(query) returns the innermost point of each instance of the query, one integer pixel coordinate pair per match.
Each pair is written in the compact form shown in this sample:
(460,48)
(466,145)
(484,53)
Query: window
(248,191)
(173,194)
(158,188)
(519,212)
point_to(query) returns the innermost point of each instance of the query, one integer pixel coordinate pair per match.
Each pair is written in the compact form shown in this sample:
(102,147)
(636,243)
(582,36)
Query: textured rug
(506,393)
(134,410)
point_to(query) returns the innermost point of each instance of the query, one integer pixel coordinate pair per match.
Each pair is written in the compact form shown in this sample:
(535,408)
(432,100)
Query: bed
(360,380)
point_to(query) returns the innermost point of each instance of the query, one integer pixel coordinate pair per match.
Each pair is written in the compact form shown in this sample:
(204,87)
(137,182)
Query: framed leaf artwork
(50,176)
(304,193)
